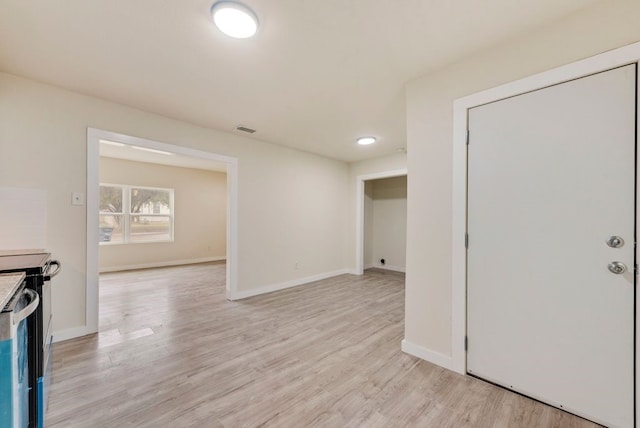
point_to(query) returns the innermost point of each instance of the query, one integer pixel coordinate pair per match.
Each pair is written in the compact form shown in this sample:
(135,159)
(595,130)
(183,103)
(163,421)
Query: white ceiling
(174,159)
(317,75)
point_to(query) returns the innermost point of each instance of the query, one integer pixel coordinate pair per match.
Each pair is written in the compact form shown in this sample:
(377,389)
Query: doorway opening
(390,190)
(385,223)
(145,220)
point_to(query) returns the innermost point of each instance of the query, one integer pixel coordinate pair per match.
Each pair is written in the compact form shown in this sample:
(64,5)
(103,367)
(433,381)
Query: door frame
(360,210)
(93,191)
(615,58)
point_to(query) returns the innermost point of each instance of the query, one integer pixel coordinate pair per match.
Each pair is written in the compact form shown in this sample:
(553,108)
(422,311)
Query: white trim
(287,284)
(428,355)
(162,264)
(92,191)
(637,229)
(360,210)
(93,238)
(393,268)
(72,333)
(385,267)
(616,58)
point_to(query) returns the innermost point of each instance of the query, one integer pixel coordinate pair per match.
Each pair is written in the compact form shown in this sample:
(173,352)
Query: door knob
(615,241)
(617,267)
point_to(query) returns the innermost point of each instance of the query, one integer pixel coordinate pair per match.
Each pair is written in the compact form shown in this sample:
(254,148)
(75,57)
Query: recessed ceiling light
(111,143)
(364,141)
(161,152)
(234,19)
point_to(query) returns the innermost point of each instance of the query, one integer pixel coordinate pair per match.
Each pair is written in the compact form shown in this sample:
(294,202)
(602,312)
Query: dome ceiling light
(234,19)
(365,141)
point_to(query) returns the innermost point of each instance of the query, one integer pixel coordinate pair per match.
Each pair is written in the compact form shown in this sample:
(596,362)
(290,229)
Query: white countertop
(8,285)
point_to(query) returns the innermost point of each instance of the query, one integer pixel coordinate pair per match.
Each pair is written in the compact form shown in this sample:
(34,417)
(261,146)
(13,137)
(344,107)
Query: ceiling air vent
(245,129)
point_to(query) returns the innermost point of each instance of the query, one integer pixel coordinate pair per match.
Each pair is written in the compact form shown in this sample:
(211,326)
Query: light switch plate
(77,198)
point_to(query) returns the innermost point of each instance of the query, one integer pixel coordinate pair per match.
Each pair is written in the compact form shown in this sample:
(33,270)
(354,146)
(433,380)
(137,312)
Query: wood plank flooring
(173,352)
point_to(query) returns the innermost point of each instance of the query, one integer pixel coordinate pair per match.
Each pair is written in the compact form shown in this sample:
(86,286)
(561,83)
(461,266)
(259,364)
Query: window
(132,214)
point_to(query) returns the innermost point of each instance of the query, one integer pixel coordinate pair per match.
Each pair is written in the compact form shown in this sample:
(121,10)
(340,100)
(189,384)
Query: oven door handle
(50,275)
(34,301)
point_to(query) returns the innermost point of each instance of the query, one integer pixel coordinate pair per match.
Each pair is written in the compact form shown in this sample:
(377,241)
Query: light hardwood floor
(173,352)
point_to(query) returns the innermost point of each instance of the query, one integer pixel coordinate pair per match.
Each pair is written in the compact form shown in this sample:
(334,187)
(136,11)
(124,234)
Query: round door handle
(617,268)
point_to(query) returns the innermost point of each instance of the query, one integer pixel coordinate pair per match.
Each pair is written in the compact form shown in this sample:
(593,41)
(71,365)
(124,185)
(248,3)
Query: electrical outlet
(296,265)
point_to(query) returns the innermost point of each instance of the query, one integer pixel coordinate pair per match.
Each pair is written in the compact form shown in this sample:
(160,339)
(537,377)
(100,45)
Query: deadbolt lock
(615,242)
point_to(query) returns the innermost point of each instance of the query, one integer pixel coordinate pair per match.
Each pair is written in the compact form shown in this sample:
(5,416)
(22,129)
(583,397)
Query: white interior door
(551,177)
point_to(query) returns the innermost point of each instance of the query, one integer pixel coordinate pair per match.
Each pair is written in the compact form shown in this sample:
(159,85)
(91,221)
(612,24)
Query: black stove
(39,269)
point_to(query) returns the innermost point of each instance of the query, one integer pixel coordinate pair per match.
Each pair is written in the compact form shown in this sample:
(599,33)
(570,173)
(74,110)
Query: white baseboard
(393,268)
(162,264)
(287,284)
(428,355)
(386,267)
(71,333)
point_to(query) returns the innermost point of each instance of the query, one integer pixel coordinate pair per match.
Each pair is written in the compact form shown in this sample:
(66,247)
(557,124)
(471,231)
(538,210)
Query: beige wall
(200,206)
(605,26)
(385,223)
(292,205)
(278,215)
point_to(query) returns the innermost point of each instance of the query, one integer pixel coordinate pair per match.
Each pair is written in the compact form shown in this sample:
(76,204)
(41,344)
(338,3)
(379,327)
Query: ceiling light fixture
(111,143)
(234,19)
(160,152)
(365,141)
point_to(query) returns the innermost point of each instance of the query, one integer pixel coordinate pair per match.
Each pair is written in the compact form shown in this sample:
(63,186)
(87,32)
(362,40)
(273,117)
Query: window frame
(127,215)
